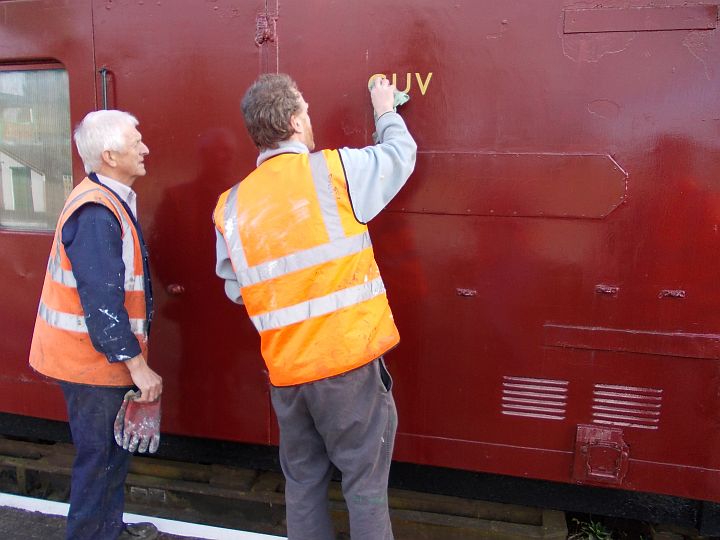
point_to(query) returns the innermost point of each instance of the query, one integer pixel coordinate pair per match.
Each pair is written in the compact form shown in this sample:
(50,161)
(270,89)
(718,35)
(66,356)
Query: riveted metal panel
(556,245)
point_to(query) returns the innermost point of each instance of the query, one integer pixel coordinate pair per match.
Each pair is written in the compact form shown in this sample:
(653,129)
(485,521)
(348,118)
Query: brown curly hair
(267,107)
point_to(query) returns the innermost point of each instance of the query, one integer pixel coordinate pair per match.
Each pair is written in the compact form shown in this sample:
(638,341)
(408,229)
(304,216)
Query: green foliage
(590,530)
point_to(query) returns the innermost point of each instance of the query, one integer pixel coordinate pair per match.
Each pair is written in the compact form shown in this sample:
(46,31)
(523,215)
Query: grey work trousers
(348,421)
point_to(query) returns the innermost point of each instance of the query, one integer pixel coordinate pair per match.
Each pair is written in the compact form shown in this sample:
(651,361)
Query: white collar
(284,147)
(125,192)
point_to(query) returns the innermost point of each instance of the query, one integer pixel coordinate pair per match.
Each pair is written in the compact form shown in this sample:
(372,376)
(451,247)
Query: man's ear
(295,124)
(108,158)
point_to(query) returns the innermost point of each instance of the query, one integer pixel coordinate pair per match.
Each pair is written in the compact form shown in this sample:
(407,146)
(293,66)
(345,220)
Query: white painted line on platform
(183,528)
(180,528)
(34,505)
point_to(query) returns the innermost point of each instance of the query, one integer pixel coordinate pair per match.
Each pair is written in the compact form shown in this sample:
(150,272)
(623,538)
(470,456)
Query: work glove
(137,425)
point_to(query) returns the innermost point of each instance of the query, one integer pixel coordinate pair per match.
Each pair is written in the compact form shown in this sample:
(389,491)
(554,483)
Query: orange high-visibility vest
(61,346)
(306,268)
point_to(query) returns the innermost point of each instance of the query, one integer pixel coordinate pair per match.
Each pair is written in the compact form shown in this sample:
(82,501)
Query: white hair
(100,131)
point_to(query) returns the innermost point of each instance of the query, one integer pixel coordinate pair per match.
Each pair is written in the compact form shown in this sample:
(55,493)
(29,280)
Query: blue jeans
(97,495)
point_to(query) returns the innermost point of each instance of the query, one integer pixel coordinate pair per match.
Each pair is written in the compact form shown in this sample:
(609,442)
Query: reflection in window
(35,158)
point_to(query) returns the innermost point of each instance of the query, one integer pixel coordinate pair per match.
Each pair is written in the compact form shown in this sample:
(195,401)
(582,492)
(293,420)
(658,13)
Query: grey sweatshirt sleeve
(375,174)
(224,269)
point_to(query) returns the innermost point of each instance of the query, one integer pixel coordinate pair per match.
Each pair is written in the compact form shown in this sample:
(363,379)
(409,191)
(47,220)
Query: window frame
(36,65)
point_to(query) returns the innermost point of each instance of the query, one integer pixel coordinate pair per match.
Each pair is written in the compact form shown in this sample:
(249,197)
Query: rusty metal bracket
(601,455)
(265,28)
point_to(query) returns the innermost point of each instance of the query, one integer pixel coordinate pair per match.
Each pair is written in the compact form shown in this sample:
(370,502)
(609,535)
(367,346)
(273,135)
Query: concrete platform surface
(25,518)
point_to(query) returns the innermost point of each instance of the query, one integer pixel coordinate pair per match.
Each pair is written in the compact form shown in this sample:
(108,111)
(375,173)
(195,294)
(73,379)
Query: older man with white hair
(93,320)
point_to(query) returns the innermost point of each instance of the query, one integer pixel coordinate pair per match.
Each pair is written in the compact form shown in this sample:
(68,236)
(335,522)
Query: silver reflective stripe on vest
(326,196)
(318,306)
(231,233)
(76,323)
(305,259)
(64,277)
(68,204)
(133,282)
(55,269)
(339,246)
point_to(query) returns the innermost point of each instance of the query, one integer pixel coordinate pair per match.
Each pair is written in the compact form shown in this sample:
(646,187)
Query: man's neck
(112,175)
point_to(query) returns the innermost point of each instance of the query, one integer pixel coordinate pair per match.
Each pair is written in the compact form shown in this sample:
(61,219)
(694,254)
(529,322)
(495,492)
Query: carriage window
(35,151)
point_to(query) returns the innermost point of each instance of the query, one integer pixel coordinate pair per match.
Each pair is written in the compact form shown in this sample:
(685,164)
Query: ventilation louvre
(545,399)
(627,406)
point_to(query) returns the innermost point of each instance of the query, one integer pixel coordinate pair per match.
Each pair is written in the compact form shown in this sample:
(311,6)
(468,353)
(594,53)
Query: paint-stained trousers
(97,484)
(348,421)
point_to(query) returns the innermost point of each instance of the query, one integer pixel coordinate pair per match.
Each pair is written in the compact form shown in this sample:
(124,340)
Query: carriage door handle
(175,289)
(104,78)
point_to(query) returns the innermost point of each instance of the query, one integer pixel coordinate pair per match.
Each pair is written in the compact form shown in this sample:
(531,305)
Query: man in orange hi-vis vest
(293,246)
(93,321)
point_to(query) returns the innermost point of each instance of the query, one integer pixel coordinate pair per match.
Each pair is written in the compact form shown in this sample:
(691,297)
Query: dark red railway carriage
(553,264)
